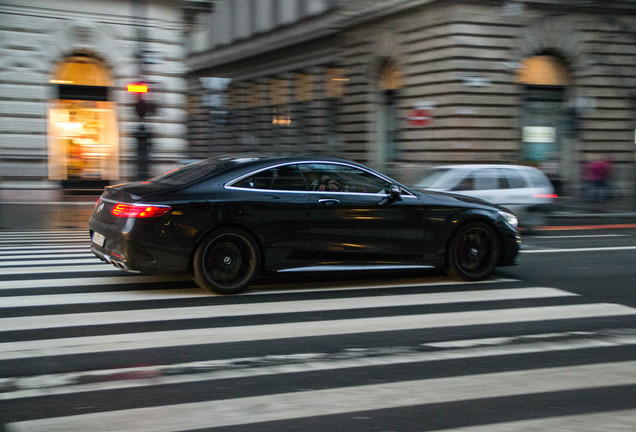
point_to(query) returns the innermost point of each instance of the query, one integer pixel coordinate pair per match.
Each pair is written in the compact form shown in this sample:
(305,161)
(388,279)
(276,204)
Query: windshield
(430,177)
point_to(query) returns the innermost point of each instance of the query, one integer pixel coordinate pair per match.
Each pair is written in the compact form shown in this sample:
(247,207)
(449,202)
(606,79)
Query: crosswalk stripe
(172,338)
(26,233)
(49,262)
(103,297)
(8,250)
(180,373)
(216,311)
(119,279)
(300,404)
(103,267)
(30,255)
(47,241)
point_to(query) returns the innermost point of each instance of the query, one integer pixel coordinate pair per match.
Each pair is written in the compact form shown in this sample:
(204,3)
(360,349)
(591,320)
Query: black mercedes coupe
(226,220)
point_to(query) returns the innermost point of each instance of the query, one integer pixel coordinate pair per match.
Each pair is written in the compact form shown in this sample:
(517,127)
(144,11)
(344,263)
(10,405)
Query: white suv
(524,190)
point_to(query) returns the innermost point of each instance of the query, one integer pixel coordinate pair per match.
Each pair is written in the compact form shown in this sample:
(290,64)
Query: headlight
(510,218)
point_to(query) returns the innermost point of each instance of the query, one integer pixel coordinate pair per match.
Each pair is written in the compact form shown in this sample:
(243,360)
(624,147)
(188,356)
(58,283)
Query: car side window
(538,179)
(513,179)
(282,178)
(486,179)
(481,179)
(467,183)
(342,178)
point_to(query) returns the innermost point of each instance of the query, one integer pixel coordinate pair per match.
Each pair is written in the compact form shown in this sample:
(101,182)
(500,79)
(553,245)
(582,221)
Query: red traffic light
(137,88)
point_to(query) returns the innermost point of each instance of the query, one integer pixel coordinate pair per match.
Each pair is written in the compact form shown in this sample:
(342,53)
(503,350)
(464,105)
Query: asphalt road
(546,345)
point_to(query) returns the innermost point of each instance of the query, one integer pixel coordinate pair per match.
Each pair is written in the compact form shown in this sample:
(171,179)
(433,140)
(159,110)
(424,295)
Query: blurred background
(98,92)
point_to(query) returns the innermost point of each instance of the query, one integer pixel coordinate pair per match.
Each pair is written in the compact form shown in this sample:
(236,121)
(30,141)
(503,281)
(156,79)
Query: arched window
(543,70)
(83,134)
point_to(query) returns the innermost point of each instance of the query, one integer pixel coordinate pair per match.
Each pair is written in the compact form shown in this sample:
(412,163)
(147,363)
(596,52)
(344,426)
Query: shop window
(544,119)
(82,124)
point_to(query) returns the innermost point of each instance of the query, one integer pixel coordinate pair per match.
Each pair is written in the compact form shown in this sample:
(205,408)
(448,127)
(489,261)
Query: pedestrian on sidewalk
(597,177)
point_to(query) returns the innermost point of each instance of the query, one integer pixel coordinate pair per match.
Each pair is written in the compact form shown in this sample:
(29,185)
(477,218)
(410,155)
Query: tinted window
(194,171)
(343,178)
(286,177)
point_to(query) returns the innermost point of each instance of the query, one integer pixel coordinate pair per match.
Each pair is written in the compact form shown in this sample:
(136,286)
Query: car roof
(258,162)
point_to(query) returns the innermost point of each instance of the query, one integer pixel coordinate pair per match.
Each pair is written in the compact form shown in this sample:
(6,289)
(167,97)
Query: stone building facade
(401,85)
(67,120)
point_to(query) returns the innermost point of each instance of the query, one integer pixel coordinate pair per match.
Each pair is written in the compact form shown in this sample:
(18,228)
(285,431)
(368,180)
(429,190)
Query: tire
(473,252)
(227,261)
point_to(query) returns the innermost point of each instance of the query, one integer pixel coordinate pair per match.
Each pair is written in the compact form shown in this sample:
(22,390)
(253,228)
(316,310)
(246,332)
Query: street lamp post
(143,106)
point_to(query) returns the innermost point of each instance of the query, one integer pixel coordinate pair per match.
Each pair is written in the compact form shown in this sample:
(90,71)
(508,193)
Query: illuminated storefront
(82,125)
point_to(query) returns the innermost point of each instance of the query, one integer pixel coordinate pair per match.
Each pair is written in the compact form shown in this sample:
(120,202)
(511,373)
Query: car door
(517,188)
(273,203)
(353,218)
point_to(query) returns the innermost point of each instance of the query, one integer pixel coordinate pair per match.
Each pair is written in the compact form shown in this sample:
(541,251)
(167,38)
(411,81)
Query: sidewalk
(574,212)
(26,212)
(73,212)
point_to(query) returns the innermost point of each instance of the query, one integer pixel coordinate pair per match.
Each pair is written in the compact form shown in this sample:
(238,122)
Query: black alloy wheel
(474,252)
(227,261)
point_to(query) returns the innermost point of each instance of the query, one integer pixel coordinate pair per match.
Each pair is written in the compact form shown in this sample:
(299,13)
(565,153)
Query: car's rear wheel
(473,252)
(226,261)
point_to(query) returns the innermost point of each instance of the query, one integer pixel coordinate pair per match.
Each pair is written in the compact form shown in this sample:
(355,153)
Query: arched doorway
(548,126)
(82,125)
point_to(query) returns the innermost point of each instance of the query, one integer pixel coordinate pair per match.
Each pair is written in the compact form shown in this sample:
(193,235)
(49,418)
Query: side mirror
(396,193)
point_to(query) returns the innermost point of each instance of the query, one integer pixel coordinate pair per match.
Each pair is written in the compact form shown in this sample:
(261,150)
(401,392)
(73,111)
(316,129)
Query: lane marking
(620,420)
(301,404)
(173,338)
(588,249)
(584,227)
(581,236)
(250,309)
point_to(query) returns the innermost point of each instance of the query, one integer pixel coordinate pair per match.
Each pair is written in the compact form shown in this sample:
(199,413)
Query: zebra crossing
(85,346)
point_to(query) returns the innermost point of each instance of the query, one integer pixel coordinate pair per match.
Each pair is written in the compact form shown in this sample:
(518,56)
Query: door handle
(328,201)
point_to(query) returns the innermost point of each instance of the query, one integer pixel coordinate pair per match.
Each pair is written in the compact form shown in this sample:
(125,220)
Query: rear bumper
(117,262)
(139,249)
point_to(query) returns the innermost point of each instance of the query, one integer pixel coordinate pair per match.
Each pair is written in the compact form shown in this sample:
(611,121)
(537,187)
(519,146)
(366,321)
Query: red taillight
(139,211)
(98,201)
(545,195)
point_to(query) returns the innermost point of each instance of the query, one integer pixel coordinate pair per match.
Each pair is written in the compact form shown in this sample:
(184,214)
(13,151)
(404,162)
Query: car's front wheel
(473,252)
(226,261)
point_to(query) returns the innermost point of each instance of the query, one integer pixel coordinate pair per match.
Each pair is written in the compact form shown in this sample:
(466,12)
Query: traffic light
(143,106)
(137,88)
